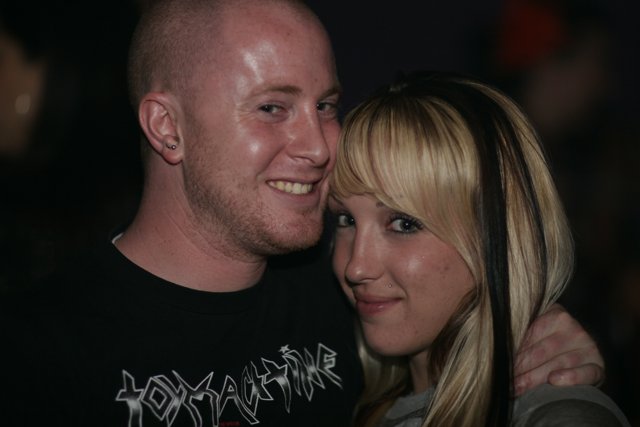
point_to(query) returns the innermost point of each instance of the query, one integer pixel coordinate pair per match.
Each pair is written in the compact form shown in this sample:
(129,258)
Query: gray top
(545,405)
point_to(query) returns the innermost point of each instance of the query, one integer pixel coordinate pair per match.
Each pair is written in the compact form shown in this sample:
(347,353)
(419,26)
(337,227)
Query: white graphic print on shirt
(298,373)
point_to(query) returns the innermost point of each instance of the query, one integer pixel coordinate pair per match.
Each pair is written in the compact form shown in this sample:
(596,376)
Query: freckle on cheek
(445,268)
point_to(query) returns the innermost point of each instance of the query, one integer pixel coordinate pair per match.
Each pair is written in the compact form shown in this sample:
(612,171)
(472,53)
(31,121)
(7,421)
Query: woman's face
(404,282)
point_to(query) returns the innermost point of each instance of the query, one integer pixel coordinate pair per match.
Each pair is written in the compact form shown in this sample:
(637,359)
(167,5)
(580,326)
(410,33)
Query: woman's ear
(157,116)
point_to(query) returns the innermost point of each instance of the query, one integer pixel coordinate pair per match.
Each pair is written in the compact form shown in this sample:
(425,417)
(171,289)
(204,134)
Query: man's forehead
(259,67)
(275,51)
(286,89)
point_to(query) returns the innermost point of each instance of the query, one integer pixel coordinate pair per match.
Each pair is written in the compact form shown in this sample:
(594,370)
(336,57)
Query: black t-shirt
(112,345)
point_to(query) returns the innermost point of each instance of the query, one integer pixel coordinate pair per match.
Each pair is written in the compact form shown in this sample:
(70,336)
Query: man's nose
(310,139)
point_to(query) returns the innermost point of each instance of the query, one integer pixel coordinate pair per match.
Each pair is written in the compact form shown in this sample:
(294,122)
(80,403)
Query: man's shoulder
(82,277)
(581,405)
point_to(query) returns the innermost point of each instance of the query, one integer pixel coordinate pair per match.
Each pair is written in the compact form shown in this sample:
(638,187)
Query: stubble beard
(244,228)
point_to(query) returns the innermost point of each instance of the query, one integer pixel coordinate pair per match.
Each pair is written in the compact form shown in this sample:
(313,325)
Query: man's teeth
(291,187)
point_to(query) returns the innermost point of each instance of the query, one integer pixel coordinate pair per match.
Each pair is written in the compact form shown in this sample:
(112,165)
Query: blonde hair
(462,158)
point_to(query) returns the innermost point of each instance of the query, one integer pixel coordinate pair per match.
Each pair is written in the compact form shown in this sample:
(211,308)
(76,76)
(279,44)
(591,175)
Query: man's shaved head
(175,37)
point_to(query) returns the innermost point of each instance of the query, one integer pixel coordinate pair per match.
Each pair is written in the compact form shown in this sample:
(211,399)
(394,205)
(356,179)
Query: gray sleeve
(572,413)
(573,406)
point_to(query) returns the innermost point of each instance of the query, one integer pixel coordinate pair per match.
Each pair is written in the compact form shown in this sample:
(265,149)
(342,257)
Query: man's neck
(181,255)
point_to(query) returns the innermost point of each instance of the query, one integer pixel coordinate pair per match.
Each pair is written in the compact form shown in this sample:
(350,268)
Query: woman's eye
(405,224)
(344,220)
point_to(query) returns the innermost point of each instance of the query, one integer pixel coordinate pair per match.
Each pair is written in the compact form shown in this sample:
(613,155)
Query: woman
(450,239)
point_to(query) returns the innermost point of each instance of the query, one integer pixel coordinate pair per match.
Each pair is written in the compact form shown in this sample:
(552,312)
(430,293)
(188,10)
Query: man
(180,321)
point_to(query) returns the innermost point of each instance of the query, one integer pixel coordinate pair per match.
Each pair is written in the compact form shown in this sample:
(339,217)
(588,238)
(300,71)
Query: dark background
(80,174)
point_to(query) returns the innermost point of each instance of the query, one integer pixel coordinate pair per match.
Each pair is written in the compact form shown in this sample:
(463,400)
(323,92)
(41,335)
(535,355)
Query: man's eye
(328,108)
(271,108)
(405,224)
(344,220)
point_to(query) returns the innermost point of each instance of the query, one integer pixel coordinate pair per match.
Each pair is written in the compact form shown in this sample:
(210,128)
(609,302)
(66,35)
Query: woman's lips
(371,306)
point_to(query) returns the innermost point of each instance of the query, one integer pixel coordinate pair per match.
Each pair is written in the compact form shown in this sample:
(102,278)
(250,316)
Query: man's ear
(157,116)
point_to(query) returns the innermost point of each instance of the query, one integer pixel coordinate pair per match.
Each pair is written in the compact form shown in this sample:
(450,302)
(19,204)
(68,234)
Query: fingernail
(557,379)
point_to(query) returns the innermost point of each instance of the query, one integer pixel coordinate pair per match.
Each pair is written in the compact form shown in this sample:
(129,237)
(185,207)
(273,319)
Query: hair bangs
(375,155)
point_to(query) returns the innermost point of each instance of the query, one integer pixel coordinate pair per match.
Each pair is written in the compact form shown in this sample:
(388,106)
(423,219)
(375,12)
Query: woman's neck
(418,364)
